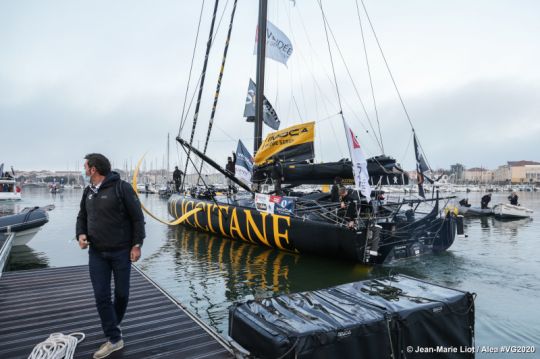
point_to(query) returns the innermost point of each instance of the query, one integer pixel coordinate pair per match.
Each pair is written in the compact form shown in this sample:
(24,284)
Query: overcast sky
(111,76)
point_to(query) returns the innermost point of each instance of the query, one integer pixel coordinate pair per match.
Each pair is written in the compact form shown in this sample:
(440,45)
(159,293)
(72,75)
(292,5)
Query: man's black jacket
(112,218)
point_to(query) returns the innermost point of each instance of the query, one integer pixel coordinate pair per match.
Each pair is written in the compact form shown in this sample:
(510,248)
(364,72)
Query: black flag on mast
(421,167)
(270,117)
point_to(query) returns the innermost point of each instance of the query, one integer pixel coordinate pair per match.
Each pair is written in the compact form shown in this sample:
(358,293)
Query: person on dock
(334,192)
(277,175)
(485,201)
(347,207)
(177,178)
(513,198)
(231,168)
(111,223)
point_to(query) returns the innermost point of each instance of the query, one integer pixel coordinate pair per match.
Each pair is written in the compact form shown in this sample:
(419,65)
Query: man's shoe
(106,349)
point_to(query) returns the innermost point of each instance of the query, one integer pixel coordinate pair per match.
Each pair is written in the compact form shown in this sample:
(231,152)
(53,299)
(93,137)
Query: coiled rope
(57,346)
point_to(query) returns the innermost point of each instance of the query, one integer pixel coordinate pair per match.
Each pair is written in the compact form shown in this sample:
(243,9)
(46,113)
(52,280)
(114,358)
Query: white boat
(25,224)
(9,189)
(508,211)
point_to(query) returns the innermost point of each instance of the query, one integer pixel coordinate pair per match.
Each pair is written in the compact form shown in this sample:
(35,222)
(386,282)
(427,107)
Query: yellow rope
(173,223)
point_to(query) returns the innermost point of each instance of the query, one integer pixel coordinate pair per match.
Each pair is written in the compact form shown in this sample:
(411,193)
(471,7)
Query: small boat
(56,188)
(475,211)
(25,224)
(508,211)
(9,190)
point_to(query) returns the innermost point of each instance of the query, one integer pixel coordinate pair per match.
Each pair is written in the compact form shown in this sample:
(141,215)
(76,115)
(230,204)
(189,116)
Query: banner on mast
(278,45)
(359,163)
(291,144)
(421,167)
(270,117)
(244,164)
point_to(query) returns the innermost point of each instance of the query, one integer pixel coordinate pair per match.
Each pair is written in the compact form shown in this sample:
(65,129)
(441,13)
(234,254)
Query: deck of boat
(36,303)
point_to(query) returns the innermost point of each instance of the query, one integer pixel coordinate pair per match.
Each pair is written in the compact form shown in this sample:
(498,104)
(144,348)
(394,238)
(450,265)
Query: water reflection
(209,273)
(485,222)
(24,257)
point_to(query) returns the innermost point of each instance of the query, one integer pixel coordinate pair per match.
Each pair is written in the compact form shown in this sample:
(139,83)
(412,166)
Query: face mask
(85,177)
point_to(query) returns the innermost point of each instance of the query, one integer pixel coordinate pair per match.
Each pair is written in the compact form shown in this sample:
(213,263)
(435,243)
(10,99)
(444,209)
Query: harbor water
(498,260)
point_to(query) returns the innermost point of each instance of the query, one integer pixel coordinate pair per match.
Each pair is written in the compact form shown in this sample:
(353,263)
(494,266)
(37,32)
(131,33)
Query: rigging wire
(191,69)
(322,93)
(352,81)
(201,85)
(184,119)
(392,77)
(218,86)
(331,58)
(369,74)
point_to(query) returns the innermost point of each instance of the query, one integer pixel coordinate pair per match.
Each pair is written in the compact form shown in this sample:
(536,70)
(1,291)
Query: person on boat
(335,189)
(111,223)
(347,206)
(485,201)
(464,203)
(177,178)
(231,168)
(277,175)
(513,198)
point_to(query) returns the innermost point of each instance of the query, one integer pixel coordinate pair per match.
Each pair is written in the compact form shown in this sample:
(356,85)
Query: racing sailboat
(310,222)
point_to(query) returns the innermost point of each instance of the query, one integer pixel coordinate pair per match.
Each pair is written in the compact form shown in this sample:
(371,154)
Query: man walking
(111,222)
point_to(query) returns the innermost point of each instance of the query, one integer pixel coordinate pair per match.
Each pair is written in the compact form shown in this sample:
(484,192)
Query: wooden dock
(6,242)
(36,303)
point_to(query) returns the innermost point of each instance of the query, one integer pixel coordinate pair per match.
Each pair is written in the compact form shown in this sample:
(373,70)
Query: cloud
(483,123)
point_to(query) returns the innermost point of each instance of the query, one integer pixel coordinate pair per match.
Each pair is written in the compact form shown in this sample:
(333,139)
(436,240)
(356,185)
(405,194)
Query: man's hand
(135,254)
(83,241)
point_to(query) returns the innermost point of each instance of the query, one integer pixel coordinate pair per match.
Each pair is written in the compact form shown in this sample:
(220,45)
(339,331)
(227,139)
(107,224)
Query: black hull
(395,240)
(271,230)
(425,236)
(26,219)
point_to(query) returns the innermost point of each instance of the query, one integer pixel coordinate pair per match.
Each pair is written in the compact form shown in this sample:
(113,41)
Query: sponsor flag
(359,163)
(270,117)
(291,144)
(278,45)
(244,164)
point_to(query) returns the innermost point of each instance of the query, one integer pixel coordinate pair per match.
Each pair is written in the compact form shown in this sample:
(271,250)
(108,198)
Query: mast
(201,86)
(168,161)
(261,55)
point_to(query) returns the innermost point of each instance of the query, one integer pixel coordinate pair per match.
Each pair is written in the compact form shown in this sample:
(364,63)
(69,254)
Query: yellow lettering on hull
(277,234)
(200,205)
(210,207)
(251,225)
(234,227)
(220,218)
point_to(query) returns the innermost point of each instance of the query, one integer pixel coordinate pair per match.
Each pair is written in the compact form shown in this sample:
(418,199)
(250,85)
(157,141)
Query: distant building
(522,172)
(478,175)
(502,175)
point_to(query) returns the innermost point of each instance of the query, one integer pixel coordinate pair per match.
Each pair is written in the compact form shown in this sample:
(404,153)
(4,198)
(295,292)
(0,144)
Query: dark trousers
(102,264)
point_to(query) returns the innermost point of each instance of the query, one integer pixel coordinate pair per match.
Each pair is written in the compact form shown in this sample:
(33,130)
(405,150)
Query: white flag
(359,163)
(278,45)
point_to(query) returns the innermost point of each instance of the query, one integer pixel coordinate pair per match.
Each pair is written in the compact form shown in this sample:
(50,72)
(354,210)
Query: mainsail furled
(292,144)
